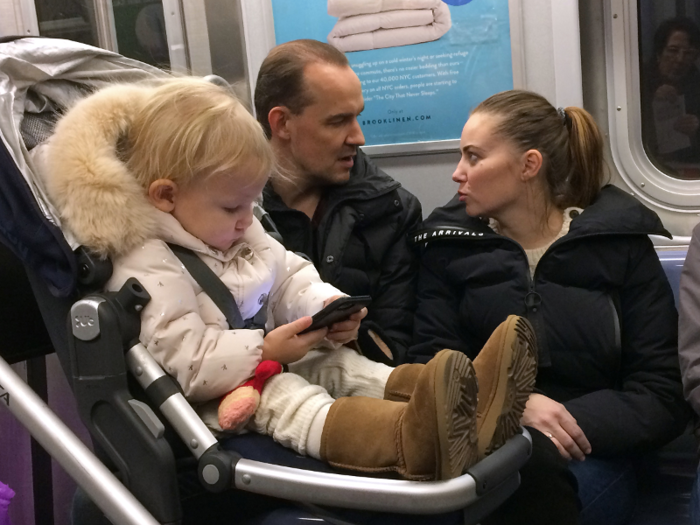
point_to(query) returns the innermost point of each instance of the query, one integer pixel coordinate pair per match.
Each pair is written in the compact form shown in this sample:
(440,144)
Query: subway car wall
(619,60)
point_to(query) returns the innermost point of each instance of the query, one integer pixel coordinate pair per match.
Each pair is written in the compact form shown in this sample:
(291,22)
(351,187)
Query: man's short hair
(281,77)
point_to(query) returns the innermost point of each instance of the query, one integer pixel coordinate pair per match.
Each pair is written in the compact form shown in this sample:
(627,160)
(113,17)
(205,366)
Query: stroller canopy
(39,79)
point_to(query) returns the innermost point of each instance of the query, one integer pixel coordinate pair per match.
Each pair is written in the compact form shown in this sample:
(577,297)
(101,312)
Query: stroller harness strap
(217,291)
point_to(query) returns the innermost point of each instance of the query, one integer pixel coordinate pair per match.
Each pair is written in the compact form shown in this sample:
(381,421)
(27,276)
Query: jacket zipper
(533,300)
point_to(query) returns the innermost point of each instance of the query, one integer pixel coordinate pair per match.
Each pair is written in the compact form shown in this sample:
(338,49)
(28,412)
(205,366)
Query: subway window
(67,19)
(140,28)
(669,53)
(134,28)
(653,93)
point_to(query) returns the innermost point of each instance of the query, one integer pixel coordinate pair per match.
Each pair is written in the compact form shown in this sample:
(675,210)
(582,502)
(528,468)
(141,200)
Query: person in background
(671,93)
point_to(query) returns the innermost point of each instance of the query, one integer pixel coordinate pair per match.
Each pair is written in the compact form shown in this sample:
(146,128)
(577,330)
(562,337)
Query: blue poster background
(421,92)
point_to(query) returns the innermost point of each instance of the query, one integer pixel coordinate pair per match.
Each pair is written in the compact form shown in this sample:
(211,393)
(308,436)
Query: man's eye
(473,158)
(231,210)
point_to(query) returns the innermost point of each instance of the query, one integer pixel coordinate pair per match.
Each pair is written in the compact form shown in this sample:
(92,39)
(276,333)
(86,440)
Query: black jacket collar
(614,212)
(366,184)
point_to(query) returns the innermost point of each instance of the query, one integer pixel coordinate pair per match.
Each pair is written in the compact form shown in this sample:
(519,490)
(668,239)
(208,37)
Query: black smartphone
(338,310)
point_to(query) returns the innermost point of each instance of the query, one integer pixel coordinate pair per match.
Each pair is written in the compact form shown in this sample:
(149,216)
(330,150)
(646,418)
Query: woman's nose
(459,174)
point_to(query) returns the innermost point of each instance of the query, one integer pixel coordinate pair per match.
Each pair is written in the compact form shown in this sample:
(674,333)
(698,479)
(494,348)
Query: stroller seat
(132,408)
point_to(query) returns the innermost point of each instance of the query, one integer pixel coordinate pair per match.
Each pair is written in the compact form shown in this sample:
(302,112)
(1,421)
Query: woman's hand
(555,422)
(345,331)
(285,345)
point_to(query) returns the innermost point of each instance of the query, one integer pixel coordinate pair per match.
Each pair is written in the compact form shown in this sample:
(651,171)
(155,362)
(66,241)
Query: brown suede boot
(432,437)
(402,381)
(506,368)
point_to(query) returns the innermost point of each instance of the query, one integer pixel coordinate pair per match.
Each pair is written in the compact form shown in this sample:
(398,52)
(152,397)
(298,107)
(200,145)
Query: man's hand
(555,422)
(285,345)
(345,331)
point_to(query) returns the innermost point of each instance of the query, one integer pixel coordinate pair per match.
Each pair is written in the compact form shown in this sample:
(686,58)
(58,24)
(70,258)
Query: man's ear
(532,163)
(279,118)
(162,194)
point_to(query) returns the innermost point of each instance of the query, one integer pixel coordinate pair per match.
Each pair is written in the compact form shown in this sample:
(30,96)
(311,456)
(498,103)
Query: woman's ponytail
(586,155)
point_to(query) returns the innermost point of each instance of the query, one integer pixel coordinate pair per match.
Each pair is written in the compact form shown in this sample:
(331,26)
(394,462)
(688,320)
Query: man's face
(324,137)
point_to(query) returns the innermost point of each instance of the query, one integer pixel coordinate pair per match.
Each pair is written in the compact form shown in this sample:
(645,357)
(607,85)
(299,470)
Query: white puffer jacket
(182,327)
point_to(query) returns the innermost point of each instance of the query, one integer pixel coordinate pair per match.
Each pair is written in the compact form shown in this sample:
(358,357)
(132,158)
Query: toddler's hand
(345,331)
(285,345)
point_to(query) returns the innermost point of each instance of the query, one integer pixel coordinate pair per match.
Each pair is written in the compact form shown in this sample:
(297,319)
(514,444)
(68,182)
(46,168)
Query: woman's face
(489,172)
(677,57)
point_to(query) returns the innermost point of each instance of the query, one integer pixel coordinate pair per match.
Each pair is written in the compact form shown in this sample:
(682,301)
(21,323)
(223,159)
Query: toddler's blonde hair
(189,128)
(109,148)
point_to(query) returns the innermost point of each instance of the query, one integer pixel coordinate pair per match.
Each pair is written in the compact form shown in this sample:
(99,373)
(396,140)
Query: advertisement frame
(259,30)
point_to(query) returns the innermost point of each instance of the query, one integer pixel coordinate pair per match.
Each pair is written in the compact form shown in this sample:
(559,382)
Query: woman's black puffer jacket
(600,303)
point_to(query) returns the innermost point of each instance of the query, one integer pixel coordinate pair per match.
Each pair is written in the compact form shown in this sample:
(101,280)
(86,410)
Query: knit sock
(288,406)
(313,440)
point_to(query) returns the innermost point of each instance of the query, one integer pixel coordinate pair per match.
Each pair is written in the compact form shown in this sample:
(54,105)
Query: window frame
(635,167)
(107,33)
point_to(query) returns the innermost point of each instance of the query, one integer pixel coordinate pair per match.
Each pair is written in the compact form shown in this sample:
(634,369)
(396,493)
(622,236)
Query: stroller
(154,460)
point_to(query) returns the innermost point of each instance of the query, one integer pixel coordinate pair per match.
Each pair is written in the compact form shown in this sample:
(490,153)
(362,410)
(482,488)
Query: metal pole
(117,503)
(106,31)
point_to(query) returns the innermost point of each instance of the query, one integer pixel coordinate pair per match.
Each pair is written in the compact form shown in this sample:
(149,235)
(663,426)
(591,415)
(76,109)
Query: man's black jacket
(361,244)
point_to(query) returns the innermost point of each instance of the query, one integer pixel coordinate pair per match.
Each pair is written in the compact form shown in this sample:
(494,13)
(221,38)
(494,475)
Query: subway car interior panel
(634,65)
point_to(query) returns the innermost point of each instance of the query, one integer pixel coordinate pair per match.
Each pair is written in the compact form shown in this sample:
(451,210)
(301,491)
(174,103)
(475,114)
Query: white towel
(389,28)
(342,8)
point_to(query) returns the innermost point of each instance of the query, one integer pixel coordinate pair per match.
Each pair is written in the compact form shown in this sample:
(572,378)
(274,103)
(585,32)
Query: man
(327,199)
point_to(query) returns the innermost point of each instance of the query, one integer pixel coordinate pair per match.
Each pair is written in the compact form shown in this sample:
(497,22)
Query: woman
(672,93)
(532,233)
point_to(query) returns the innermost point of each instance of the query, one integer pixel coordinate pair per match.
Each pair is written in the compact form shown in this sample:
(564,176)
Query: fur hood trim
(97,197)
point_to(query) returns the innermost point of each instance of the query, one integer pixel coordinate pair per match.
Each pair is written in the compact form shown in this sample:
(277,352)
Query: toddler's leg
(506,368)
(433,436)
(343,372)
(292,411)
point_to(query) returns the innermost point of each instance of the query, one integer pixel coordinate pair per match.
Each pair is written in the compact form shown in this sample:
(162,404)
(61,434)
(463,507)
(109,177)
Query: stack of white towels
(374,24)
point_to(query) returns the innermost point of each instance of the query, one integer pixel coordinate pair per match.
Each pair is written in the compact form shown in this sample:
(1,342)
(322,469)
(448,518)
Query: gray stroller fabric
(39,79)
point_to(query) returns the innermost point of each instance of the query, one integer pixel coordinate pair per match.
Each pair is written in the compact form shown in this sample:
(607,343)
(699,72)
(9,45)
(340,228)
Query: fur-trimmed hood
(96,196)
